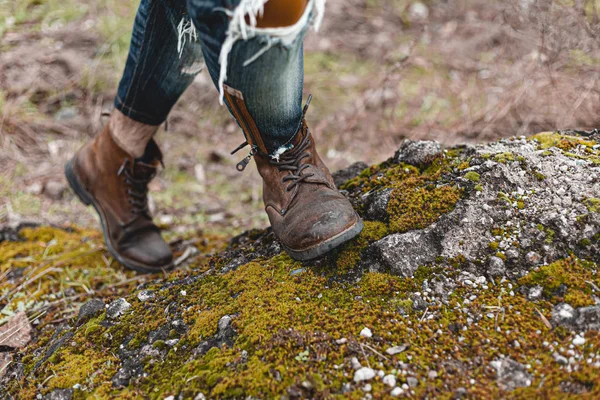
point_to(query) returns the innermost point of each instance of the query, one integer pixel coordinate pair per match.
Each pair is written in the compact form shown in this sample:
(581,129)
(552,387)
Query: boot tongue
(302,132)
(145,166)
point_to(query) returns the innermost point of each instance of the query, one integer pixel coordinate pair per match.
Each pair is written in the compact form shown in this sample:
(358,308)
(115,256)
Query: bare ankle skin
(130,135)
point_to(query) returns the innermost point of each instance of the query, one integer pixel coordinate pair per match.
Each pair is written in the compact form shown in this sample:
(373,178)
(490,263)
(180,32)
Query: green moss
(539,176)
(350,253)
(549,235)
(472,176)
(159,344)
(497,231)
(463,165)
(287,325)
(572,273)
(563,142)
(592,204)
(504,157)
(584,243)
(412,206)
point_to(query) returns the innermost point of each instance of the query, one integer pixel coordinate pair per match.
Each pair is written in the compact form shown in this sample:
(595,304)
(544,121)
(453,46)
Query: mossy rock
(270,327)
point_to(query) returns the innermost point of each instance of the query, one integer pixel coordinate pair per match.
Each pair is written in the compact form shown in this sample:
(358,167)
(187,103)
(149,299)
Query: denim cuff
(137,115)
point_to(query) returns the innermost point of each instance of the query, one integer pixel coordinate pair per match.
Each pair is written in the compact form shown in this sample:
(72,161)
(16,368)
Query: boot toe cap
(149,251)
(317,223)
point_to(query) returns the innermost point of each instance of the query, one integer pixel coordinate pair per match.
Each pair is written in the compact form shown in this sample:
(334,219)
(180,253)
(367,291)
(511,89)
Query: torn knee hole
(281,13)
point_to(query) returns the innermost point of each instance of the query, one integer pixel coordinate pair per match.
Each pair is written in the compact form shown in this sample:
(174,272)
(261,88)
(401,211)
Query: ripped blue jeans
(259,69)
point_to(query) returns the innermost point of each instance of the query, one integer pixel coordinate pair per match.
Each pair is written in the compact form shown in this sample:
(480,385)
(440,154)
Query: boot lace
(137,190)
(292,161)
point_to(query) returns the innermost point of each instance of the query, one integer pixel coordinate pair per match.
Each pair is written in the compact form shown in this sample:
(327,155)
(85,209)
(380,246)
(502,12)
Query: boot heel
(75,185)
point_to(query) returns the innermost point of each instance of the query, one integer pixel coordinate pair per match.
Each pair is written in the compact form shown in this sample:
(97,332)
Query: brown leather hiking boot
(105,176)
(308,214)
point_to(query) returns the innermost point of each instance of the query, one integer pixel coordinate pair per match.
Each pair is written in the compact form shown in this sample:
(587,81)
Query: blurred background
(379,70)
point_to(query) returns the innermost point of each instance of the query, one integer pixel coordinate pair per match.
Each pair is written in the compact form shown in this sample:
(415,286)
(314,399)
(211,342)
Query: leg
(267,70)
(162,62)
(258,67)
(112,171)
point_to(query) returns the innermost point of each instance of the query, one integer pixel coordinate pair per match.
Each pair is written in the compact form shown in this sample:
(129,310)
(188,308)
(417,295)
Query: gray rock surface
(401,254)
(418,152)
(117,308)
(352,171)
(90,309)
(577,319)
(59,394)
(538,202)
(563,314)
(511,374)
(376,204)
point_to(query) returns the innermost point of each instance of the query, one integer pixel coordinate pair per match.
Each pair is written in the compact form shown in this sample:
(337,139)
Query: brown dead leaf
(16,332)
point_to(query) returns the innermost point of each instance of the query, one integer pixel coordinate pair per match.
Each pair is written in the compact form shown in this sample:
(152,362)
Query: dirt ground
(379,70)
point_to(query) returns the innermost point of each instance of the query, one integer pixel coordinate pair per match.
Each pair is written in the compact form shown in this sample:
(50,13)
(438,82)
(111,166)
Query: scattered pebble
(117,308)
(560,359)
(396,349)
(364,374)
(579,340)
(145,295)
(412,381)
(535,293)
(389,380)
(366,332)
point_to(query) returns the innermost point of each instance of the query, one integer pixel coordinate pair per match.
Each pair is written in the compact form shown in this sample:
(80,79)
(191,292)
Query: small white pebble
(366,332)
(389,380)
(579,340)
(364,374)
(183,293)
(396,392)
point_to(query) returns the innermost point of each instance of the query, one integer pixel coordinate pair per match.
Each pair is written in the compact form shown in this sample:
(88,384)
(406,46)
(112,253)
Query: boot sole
(326,246)
(88,200)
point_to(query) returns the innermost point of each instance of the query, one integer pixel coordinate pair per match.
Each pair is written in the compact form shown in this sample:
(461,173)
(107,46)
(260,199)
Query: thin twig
(424,314)
(375,351)
(544,319)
